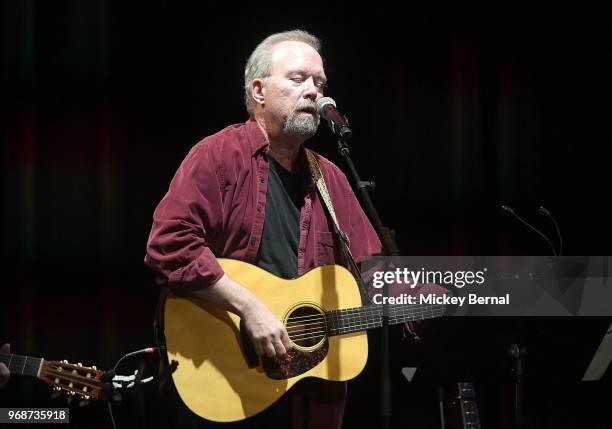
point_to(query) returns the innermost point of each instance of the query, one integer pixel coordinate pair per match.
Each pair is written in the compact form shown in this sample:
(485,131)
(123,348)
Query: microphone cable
(113,371)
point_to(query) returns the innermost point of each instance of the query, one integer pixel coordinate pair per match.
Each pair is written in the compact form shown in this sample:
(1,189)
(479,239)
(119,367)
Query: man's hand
(4,371)
(268,334)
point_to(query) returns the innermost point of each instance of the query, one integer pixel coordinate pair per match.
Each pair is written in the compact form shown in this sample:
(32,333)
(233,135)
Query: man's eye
(321,85)
(297,79)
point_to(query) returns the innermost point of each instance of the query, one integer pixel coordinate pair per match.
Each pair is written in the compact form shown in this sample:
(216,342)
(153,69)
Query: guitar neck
(356,319)
(22,365)
(469,409)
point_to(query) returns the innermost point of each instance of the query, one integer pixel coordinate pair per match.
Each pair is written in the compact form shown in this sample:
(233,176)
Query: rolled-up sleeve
(185,223)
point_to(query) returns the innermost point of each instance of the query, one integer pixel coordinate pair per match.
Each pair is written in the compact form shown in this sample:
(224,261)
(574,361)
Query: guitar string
(415,307)
(376,310)
(17,361)
(321,319)
(68,375)
(292,327)
(365,325)
(360,325)
(313,333)
(8,355)
(32,361)
(359,313)
(31,364)
(340,329)
(318,325)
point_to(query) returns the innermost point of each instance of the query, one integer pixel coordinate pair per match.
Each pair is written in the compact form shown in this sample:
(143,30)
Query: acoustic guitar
(75,379)
(220,378)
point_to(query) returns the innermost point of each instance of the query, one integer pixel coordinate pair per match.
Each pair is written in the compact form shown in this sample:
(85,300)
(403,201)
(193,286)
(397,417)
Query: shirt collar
(256,137)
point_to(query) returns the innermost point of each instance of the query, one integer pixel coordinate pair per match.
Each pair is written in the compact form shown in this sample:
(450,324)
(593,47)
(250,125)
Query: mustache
(306,104)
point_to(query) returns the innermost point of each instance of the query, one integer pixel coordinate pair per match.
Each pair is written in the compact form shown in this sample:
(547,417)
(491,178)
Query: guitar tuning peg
(65,361)
(94,367)
(56,393)
(84,402)
(79,364)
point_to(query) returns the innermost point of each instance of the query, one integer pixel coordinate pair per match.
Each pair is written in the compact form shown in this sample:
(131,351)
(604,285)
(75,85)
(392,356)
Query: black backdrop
(455,111)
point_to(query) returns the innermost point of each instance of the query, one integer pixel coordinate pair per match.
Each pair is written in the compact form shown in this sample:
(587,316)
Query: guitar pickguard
(297,362)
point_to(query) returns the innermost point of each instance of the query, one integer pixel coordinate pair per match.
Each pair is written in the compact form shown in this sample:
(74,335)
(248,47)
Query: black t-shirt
(281,232)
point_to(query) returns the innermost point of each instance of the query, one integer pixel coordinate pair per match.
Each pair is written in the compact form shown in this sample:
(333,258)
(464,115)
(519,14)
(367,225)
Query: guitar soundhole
(306,327)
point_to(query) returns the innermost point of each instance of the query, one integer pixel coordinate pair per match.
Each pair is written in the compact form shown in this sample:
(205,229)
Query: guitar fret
(348,320)
(22,365)
(329,322)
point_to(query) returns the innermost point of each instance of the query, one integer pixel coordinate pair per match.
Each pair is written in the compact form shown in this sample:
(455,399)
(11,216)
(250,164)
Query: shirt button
(261,180)
(253,242)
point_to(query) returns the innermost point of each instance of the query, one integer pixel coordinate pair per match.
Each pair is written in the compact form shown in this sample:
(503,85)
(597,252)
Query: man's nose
(310,90)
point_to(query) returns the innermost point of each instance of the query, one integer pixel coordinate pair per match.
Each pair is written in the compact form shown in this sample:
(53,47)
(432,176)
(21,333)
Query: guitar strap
(319,180)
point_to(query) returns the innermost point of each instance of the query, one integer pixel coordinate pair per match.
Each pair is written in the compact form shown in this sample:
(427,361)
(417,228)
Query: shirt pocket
(325,252)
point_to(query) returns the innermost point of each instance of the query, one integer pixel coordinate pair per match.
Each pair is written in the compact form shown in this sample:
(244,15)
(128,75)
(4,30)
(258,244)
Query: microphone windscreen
(322,102)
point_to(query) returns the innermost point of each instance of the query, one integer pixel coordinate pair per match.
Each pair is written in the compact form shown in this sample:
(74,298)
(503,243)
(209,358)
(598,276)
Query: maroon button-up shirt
(215,207)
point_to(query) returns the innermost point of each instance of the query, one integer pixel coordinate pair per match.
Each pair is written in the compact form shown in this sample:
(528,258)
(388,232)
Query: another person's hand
(4,371)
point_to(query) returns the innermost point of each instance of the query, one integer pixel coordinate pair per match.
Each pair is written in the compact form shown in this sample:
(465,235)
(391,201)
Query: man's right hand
(268,334)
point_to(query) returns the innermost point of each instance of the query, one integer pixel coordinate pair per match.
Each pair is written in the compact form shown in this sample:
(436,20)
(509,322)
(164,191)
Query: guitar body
(215,378)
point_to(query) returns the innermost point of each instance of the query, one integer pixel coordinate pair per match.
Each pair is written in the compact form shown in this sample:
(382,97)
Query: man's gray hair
(259,65)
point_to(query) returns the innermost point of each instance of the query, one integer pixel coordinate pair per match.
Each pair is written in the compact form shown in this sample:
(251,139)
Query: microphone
(507,210)
(337,122)
(547,214)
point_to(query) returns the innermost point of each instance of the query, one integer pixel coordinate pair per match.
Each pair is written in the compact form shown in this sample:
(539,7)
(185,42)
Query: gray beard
(300,125)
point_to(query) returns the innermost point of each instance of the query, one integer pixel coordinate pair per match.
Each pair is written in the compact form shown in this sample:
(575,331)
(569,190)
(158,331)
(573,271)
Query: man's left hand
(4,371)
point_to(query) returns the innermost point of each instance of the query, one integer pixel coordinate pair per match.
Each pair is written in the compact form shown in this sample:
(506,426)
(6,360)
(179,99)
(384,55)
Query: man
(246,193)
(4,371)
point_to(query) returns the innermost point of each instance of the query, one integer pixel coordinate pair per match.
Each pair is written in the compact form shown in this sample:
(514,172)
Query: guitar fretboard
(469,408)
(356,319)
(22,365)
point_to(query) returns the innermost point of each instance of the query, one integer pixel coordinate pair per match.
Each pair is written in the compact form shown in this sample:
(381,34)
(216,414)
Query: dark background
(455,110)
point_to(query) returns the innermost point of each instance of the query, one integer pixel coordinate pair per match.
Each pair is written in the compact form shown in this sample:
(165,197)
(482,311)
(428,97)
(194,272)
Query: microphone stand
(389,249)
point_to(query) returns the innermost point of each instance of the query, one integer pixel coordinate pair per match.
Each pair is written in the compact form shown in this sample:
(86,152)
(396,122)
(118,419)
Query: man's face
(296,81)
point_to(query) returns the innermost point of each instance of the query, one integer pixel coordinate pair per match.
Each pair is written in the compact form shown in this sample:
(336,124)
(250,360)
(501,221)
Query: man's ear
(258,91)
